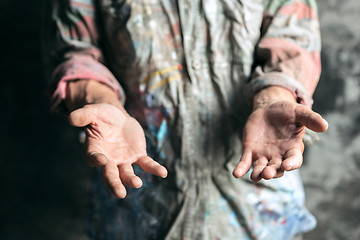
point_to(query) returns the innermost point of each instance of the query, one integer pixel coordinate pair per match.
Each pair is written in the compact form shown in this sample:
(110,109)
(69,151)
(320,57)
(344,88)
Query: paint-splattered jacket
(186,68)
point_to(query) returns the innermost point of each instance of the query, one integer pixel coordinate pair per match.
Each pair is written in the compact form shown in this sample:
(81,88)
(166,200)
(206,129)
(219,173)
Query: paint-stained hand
(115,141)
(272,139)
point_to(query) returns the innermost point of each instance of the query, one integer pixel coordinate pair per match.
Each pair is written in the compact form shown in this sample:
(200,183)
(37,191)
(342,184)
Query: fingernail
(327,124)
(289,167)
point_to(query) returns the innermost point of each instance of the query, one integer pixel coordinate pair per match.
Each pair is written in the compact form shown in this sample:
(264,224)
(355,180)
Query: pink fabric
(294,61)
(301,9)
(82,67)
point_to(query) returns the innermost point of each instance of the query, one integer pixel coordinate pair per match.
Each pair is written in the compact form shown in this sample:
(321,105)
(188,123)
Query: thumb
(82,117)
(310,119)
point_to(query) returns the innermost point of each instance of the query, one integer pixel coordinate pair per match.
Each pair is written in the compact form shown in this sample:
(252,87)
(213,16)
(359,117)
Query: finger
(310,119)
(279,173)
(82,117)
(112,180)
(128,176)
(244,165)
(293,159)
(96,159)
(271,169)
(151,166)
(259,166)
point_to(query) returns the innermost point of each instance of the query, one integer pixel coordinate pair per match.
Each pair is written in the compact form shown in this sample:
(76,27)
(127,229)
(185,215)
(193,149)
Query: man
(184,70)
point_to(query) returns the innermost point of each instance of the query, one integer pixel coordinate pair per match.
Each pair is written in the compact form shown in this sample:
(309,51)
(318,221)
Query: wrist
(271,95)
(85,91)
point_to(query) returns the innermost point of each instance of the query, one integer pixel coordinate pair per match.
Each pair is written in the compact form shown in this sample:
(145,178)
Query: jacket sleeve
(72,47)
(288,53)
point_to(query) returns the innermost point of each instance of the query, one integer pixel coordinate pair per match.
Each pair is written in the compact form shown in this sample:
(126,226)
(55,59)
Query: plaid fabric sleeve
(288,53)
(71,47)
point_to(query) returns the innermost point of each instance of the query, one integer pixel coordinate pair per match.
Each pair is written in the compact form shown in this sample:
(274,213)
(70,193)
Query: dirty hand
(272,139)
(115,141)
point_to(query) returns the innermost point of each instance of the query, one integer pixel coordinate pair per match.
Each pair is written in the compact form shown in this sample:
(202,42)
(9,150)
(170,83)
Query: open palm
(115,141)
(272,139)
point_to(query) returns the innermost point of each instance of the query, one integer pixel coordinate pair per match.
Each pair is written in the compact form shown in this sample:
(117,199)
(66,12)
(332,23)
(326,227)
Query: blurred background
(44,181)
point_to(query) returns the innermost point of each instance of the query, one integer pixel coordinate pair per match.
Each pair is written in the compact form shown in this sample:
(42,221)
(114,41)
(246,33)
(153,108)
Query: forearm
(288,53)
(72,49)
(82,92)
(271,95)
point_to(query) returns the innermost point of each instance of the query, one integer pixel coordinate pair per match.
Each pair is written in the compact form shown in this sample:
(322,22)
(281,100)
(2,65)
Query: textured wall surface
(44,181)
(331,173)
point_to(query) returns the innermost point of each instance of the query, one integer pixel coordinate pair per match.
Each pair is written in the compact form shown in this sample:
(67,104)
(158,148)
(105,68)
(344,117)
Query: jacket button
(196,64)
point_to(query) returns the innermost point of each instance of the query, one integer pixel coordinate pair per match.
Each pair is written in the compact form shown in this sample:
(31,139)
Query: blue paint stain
(161,133)
(233,220)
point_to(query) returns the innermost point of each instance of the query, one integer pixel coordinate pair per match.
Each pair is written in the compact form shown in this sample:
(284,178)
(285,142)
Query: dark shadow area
(43,177)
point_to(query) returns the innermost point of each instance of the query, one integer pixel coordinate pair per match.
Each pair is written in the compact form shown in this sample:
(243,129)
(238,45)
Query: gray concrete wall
(44,181)
(331,173)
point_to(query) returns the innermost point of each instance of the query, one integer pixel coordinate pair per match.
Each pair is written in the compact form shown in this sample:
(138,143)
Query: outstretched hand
(272,139)
(115,141)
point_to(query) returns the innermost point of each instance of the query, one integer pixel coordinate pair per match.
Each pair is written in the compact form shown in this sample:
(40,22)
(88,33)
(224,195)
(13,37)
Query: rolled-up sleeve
(72,47)
(288,53)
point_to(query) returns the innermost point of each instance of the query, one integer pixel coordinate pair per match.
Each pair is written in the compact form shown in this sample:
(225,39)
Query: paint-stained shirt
(187,70)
